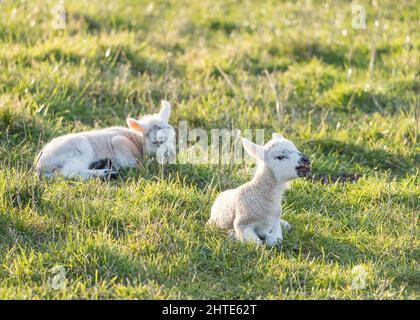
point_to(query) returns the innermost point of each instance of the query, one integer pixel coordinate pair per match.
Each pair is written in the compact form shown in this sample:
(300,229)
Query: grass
(348,98)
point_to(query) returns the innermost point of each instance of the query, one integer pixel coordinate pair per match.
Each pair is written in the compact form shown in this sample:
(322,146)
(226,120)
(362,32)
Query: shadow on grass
(351,98)
(336,54)
(122,54)
(200,176)
(96,24)
(330,249)
(375,159)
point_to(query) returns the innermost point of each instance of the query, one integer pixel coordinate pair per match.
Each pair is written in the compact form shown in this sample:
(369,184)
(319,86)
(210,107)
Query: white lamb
(100,153)
(253,210)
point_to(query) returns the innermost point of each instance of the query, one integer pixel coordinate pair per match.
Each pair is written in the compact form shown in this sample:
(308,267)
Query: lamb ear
(254,150)
(277,136)
(134,124)
(165,111)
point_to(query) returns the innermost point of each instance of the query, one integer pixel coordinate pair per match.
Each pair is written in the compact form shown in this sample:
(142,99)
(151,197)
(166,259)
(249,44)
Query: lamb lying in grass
(101,153)
(253,210)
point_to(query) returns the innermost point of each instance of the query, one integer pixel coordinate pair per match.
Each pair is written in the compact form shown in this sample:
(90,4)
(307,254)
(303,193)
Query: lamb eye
(281,157)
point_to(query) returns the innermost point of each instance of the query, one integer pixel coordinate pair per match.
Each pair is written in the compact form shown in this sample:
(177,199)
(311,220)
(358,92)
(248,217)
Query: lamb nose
(305,160)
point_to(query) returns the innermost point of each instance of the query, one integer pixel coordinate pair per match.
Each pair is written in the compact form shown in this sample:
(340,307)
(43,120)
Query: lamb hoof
(276,242)
(285,225)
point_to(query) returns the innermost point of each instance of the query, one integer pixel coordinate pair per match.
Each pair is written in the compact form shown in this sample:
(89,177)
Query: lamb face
(281,156)
(159,135)
(285,160)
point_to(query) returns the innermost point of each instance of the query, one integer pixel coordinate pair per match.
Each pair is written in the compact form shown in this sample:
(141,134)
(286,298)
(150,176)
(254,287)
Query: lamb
(252,211)
(100,153)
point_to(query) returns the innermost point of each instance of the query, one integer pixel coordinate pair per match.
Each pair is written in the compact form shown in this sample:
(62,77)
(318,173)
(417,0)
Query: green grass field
(348,97)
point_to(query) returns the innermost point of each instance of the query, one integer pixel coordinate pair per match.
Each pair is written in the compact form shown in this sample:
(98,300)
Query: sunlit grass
(296,68)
